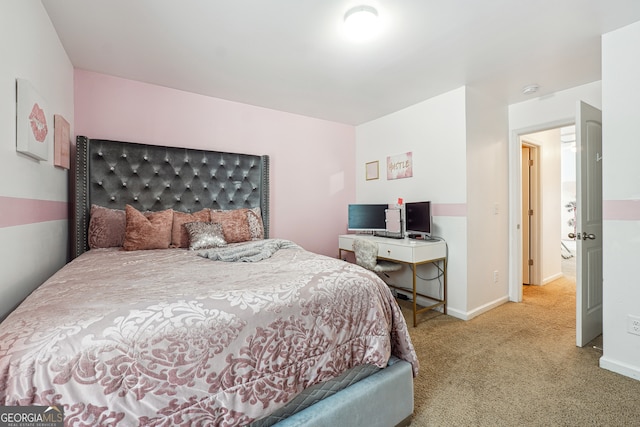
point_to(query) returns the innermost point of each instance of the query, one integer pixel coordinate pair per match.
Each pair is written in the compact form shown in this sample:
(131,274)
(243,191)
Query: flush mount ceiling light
(528,90)
(361,22)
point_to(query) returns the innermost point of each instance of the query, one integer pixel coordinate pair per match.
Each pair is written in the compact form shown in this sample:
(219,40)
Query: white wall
(547,111)
(621,194)
(487,201)
(435,132)
(31,251)
(459,146)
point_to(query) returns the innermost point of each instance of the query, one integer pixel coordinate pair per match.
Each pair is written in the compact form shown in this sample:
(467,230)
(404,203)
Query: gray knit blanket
(248,252)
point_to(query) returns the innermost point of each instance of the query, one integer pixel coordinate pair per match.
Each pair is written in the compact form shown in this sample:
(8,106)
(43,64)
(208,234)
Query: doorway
(542,230)
(588,126)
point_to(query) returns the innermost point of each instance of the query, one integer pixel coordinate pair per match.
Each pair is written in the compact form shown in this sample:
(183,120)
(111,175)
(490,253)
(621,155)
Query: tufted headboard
(149,177)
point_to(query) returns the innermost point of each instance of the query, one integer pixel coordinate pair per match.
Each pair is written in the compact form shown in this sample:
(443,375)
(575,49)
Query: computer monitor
(367,217)
(418,219)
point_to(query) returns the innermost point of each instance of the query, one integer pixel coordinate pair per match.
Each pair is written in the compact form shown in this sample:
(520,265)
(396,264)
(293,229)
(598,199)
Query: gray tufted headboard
(149,177)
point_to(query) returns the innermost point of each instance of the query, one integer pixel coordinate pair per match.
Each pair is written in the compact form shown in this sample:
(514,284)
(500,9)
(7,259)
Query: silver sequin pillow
(205,235)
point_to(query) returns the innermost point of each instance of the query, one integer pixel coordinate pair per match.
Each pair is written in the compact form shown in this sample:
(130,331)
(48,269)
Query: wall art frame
(372,170)
(400,166)
(61,142)
(34,131)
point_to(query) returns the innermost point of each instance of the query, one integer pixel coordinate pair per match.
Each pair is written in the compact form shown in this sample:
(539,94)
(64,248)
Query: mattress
(168,337)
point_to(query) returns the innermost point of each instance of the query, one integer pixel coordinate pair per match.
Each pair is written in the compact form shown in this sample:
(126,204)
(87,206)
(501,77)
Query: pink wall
(312,160)
(19,211)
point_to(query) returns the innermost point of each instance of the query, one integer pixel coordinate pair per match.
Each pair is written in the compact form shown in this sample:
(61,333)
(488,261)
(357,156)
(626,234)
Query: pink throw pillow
(150,231)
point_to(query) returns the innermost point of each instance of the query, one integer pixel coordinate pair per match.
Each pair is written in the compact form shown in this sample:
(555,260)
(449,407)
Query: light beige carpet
(517,365)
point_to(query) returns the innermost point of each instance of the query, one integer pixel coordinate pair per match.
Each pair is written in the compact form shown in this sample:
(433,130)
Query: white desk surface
(405,250)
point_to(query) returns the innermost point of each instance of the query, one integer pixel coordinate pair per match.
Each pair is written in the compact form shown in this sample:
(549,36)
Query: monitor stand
(424,237)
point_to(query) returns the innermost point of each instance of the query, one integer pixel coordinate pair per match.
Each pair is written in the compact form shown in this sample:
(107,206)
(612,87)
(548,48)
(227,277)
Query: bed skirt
(383,399)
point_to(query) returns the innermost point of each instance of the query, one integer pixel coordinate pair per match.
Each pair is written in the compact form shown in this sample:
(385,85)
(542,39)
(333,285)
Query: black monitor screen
(418,217)
(363,217)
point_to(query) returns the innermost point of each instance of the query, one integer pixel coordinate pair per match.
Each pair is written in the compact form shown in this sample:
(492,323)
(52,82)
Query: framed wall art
(400,166)
(34,131)
(372,170)
(61,142)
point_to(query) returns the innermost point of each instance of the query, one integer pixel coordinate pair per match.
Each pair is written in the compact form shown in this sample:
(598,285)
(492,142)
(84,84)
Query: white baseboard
(468,315)
(552,278)
(489,306)
(620,368)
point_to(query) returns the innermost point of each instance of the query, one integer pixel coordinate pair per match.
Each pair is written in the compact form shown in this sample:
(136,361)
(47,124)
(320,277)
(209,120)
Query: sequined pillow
(205,235)
(179,235)
(256,226)
(106,227)
(151,230)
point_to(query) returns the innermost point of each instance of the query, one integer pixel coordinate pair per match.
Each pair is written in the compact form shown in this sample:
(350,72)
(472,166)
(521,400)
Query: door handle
(583,236)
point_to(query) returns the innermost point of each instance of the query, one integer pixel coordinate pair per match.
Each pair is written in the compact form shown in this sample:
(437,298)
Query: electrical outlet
(633,324)
(495,276)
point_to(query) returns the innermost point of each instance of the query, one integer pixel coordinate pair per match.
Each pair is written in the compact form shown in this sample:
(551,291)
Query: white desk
(410,252)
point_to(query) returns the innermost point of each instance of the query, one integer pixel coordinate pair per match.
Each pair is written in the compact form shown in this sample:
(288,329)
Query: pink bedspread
(167,338)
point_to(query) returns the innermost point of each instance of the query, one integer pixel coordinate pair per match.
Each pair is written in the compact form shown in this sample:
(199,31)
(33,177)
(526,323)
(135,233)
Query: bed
(188,313)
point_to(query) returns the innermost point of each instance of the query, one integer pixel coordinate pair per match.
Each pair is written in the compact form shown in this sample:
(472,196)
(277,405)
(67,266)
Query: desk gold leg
(415,304)
(444,297)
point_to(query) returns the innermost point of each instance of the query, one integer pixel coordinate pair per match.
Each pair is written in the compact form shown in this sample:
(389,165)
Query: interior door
(588,223)
(526,218)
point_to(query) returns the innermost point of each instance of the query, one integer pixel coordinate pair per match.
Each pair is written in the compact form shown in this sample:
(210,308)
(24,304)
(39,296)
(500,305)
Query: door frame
(535,273)
(515,201)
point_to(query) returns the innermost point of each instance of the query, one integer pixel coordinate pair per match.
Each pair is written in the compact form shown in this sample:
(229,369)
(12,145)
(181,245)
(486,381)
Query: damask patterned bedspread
(168,338)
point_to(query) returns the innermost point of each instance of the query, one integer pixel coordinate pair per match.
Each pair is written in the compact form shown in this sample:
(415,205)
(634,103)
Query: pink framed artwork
(400,166)
(61,142)
(34,130)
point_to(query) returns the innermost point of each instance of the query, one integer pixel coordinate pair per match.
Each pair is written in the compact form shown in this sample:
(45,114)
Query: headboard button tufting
(156,177)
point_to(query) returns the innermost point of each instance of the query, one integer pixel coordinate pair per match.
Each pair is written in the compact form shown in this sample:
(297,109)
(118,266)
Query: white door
(588,223)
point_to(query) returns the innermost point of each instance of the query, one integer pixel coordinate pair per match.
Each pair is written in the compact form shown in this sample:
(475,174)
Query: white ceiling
(290,55)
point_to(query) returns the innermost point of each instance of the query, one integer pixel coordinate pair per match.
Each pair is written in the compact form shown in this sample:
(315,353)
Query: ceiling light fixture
(361,22)
(528,90)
